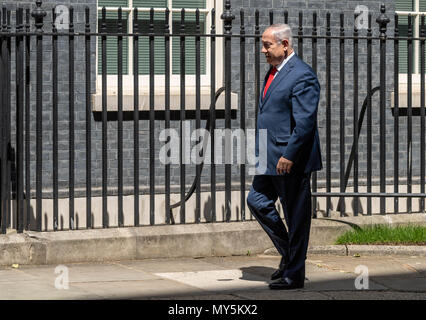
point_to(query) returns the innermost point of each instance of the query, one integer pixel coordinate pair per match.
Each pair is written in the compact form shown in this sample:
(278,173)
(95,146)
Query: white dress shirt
(281,65)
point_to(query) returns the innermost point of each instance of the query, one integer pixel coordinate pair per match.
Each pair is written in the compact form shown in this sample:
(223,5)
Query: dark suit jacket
(289,114)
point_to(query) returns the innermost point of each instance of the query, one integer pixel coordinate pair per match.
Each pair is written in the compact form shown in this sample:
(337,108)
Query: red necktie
(270,78)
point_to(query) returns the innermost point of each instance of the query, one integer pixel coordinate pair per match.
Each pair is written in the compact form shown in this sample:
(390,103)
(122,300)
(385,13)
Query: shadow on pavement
(253,273)
(317,287)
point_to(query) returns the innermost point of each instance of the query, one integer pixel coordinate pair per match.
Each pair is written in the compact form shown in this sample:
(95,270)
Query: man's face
(274,51)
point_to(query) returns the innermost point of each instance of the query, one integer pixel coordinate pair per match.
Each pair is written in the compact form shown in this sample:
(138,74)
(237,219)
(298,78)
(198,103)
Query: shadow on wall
(33,221)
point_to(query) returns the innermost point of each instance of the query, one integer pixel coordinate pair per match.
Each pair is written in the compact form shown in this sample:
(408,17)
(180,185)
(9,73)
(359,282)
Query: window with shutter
(144,6)
(112,3)
(422,8)
(159,24)
(190,43)
(403,8)
(143,25)
(403,49)
(112,44)
(404,5)
(415,8)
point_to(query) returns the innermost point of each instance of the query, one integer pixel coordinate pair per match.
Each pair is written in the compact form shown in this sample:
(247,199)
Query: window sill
(403,103)
(403,96)
(159,100)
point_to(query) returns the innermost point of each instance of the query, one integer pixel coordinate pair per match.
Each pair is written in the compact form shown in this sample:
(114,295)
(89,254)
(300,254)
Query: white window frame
(415,76)
(159,80)
(416,15)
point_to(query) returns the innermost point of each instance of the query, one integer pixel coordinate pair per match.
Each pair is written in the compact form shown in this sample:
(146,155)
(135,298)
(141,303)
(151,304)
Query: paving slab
(260,265)
(377,265)
(398,283)
(218,280)
(136,289)
(14,275)
(322,278)
(244,261)
(170,265)
(112,272)
(96,272)
(282,295)
(413,263)
(42,290)
(329,277)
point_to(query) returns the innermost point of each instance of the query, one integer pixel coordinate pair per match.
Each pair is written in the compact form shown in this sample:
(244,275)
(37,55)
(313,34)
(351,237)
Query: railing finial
(227,17)
(38,14)
(382,20)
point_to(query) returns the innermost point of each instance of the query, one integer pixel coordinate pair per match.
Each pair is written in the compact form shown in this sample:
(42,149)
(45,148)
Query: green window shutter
(404,5)
(159,47)
(190,27)
(422,5)
(190,46)
(143,26)
(403,50)
(112,3)
(150,3)
(111,43)
(190,4)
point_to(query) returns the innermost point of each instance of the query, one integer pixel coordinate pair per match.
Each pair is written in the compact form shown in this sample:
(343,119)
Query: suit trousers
(294,191)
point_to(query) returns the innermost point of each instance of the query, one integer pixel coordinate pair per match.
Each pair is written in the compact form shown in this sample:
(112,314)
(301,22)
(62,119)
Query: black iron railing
(16,156)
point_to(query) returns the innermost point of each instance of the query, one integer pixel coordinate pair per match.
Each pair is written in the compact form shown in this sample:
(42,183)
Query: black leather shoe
(286,284)
(278,274)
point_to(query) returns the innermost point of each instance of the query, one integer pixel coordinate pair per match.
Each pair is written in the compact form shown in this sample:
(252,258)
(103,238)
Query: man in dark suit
(288,114)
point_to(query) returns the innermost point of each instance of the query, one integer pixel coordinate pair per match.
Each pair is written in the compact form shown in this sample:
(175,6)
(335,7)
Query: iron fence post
(3,150)
(213,113)
(55,121)
(422,113)
(10,151)
(27,118)
(182,149)
(382,20)
(136,116)
(88,120)
(71,125)
(314,67)
(256,63)
(19,119)
(409,108)
(369,113)
(396,115)
(38,15)
(227,18)
(243,115)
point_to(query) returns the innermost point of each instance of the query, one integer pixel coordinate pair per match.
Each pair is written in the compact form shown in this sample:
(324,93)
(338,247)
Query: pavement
(329,277)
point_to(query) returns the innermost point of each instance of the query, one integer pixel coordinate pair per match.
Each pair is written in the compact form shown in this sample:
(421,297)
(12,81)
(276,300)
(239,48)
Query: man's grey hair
(282,31)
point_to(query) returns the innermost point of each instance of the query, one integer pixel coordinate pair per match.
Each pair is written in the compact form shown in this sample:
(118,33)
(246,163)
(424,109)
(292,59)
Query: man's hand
(284,165)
